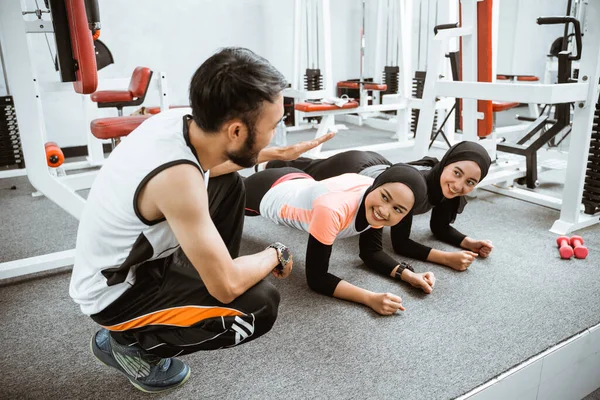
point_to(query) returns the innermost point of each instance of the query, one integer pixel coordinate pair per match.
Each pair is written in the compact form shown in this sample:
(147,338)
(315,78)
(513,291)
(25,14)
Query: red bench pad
(503,105)
(116,127)
(156,110)
(82,45)
(368,86)
(111,96)
(528,78)
(311,107)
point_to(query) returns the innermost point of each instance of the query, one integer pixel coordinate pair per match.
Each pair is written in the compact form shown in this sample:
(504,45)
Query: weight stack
(591,187)
(288,111)
(391,77)
(417,93)
(11,152)
(313,80)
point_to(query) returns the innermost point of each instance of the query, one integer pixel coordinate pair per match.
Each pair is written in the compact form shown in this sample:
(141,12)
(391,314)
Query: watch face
(285,254)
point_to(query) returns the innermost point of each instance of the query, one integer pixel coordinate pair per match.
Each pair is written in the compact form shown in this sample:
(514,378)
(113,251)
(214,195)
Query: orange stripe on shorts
(179,316)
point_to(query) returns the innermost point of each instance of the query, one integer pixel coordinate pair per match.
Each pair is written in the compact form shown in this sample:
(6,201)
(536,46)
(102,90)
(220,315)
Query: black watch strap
(403,265)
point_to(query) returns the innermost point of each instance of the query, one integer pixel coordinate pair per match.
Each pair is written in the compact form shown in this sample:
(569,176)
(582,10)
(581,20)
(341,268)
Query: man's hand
(292,152)
(385,303)
(424,280)
(284,153)
(285,272)
(460,260)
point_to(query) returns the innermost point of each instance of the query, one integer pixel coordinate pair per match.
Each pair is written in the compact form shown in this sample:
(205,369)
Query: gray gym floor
(475,325)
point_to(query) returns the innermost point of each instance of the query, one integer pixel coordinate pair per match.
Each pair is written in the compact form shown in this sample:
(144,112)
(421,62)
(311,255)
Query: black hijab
(401,173)
(463,151)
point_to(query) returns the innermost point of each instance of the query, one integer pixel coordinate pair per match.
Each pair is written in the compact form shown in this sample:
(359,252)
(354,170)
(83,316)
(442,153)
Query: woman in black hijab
(340,207)
(448,181)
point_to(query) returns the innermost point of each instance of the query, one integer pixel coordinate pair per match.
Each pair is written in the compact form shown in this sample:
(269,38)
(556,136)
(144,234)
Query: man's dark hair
(233,83)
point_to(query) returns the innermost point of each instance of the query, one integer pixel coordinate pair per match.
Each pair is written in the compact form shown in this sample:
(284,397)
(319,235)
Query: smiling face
(388,204)
(459,178)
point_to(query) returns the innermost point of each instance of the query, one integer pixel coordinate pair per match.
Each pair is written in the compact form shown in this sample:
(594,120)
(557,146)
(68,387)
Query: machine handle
(444,26)
(565,20)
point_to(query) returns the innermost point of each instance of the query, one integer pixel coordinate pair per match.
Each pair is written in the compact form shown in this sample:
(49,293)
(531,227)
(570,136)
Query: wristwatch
(403,265)
(283,254)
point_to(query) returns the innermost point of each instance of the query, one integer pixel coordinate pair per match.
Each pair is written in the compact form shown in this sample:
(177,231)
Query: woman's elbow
(364,257)
(400,246)
(318,284)
(368,259)
(314,285)
(438,231)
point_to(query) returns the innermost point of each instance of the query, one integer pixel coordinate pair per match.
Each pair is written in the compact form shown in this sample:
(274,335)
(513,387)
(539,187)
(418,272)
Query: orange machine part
(484,63)
(54,155)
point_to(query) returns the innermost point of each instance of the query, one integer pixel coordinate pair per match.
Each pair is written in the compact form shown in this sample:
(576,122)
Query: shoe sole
(137,385)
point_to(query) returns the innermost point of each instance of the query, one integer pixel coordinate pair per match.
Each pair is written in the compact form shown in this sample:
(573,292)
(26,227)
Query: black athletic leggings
(353,161)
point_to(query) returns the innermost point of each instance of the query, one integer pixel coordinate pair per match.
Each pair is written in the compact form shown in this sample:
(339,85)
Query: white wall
(3,89)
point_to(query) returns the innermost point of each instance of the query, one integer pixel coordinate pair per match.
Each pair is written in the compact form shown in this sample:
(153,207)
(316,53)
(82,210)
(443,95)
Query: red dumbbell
(580,250)
(564,248)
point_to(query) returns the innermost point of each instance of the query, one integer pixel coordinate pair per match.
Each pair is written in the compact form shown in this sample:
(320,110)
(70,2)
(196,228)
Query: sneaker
(147,372)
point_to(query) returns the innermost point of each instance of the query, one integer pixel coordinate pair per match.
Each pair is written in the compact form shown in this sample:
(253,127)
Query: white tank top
(113,238)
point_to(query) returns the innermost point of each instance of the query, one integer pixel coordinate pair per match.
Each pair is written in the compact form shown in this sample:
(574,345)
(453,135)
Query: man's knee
(231,183)
(264,298)
(226,193)
(234,181)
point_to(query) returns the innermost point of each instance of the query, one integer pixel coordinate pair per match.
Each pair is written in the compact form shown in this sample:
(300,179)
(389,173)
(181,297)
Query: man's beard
(246,156)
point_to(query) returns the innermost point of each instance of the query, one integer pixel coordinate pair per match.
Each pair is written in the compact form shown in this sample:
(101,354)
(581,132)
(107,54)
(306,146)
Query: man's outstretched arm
(283,153)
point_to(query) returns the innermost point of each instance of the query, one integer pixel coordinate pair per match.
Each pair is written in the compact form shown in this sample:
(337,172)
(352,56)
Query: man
(152,197)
